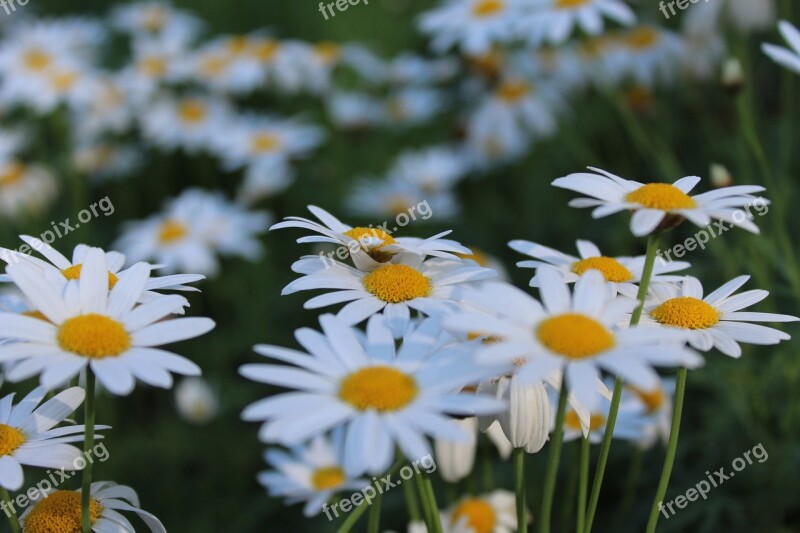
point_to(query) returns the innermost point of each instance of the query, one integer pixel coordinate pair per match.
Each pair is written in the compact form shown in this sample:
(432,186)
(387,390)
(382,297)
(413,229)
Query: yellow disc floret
(380,388)
(397,283)
(94,336)
(574,336)
(364,235)
(265,142)
(570,4)
(11,174)
(60,512)
(652,399)
(596,421)
(661,196)
(10,439)
(479,514)
(512,92)
(74,272)
(686,312)
(612,270)
(171,231)
(328,477)
(487,8)
(192,111)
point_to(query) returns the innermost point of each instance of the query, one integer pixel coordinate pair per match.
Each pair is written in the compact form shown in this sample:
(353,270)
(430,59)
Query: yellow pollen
(687,313)
(74,272)
(480,515)
(487,8)
(238,44)
(266,50)
(513,91)
(36,314)
(154,19)
(192,111)
(171,231)
(363,235)
(652,399)
(596,421)
(10,439)
(60,512)
(63,81)
(11,174)
(570,4)
(661,196)
(381,388)
(574,336)
(154,67)
(265,142)
(397,283)
(94,336)
(328,477)
(611,269)
(36,59)
(327,52)
(641,38)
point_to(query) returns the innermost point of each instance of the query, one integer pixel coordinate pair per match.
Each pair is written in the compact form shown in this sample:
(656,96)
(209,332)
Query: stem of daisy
(11,512)
(672,446)
(426,508)
(373,525)
(519,487)
(605,447)
(411,502)
(553,459)
(583,484)
(88,444)
(436,521)
(353,518)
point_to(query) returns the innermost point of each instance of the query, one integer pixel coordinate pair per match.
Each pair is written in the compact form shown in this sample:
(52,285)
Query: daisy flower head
(380,395)
(518,103)
(28,437)
(573,332)
(662,205)
(83,324)
(786,57)
(743,15)
(60,511)
(495,512)
(554,21)
(310,473)
(25,188)
(228,64)
(412,106)
(622,273)
(474,26)
(432,287)
(189,122)
(369,247)
(715,320)
(393,197)
(655,405)
(646,55)
(432,170)
(156,21)
(631,423)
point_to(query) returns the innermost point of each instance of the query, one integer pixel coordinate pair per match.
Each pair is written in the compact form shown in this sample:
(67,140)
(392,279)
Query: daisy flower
(646,54)
(379,395)
(474,26)
(431,287)
(312,473)
(574,332)
(190,122)
(354,110)
(631,423)
(744,15)
(656,205)
(25,188)
(60,510)
(156,20)
(226,65)
(27,437)
(412,106)
(89,326)
(622,273)
(554,21)
(786,57)
(656,407)
(456,459)
(433,169)
(495,512)
(375,197)
(197,402)
(716,320)
(521,104)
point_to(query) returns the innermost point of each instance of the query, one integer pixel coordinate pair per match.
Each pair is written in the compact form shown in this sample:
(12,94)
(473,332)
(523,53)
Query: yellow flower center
(60,512)
(11,174)
(611,269)
(397,204)
(513,91)
(570,4)
(153,67)
(154,18)
(641,38)
(397,283)
(238,44)
(574,336)
(74,272)
(479,514)
(94,336)
(37,59)
(171,231)
(596,421)
(214,66)
(10,439)
(652,399)
(477,255)
(661,196)
(265,142)
(363,235)
(329,477)
(686,312)
(381,388)
(327,52)
(487,8)
(64,81)
(192,111)
(266,50)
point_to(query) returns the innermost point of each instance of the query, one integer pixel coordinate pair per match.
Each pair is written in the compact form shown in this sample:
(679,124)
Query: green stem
(411,502)
(605,447)
(672,446)
(519,488)
(430,496)
(352,519)
(88,444)
(373,526)
(583,483)
(8,508)
(553,459)
(426,508)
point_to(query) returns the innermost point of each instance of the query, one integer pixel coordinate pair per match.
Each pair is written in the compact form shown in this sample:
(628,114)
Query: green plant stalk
(373,525)
(353,518)
(519,489)
(672,446)
(553,459)
(436,521)
(605,447)
(423,498)
(411,502)
(583,483)
(12,517)
(88,444)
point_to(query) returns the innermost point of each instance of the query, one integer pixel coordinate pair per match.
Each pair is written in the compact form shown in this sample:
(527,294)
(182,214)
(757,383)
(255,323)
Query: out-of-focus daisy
(786,57)
(193,228)
(553,21)
(494,139)
(310,473)
(495,512)
(433,169)
(630,425)
(190,122)
(410,69)
(25,188)
(107,161)
(716,320)
(655,405)
(373,197)
(86,325)
(657,203)
(518,103)
(227,64)
(196,400)
(380,395)
(646,55)
(575,332)
(485,260)
(156,20)
(622,273)
(354,110)
(60,510)
(474,26)
(153,64)
(743,15)
(412,106)
(27,436)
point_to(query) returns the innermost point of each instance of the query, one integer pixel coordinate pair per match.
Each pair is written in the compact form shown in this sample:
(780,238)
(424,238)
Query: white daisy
(786,57)
(520,104)
(474,26)
(354,110)
(622,273)
(156,20)
(27,436)
(554,21)
(190,122)
(380,395)
(646,54)
(744,15)
(655,204)
(196,400)
(60,510)
(656,407)
(412,106)
(374,197)
(89,326)
(25,188)
(716,320)
(495,512)
(433,169)
(631,424)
